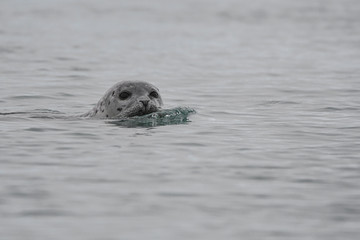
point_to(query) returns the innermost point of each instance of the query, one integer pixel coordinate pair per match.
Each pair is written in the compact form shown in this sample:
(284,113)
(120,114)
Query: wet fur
(111,106)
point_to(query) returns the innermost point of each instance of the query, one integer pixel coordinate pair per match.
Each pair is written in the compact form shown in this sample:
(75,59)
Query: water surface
(272,152)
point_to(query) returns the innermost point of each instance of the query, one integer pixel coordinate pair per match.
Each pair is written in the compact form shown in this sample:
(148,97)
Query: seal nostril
(144,102)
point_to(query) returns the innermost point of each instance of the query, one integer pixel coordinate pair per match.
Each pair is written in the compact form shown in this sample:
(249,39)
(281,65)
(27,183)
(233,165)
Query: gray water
(272,152)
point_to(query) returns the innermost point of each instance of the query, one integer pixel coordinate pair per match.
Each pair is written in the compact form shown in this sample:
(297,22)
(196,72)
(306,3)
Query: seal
(127,99)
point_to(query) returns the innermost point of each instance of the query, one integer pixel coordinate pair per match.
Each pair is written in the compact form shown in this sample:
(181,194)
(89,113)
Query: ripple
(190,144)
(36,129)
(12,113)
(74,76)
(44,212)
(278,103)
(26,97)
(33,194)
(6,50)
(37,113)
(62,94)
(178,194)
(336,109)
(64,58)
(351,127)
(80,69)
(52,164)
(82,134)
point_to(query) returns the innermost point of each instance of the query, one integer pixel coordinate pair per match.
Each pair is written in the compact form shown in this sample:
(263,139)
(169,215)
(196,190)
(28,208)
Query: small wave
(278,103)
(33,114)
(80,69)
(44,213)
(336,109)
(41,129)
(12,113)
(25,97)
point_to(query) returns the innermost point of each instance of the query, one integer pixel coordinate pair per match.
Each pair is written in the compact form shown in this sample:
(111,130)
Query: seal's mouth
(143,111)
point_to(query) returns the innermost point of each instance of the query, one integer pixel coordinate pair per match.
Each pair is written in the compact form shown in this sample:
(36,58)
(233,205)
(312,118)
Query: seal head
(127,99)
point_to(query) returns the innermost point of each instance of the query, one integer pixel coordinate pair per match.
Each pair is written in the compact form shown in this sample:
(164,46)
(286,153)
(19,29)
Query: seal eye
(124,95)
(154,94)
